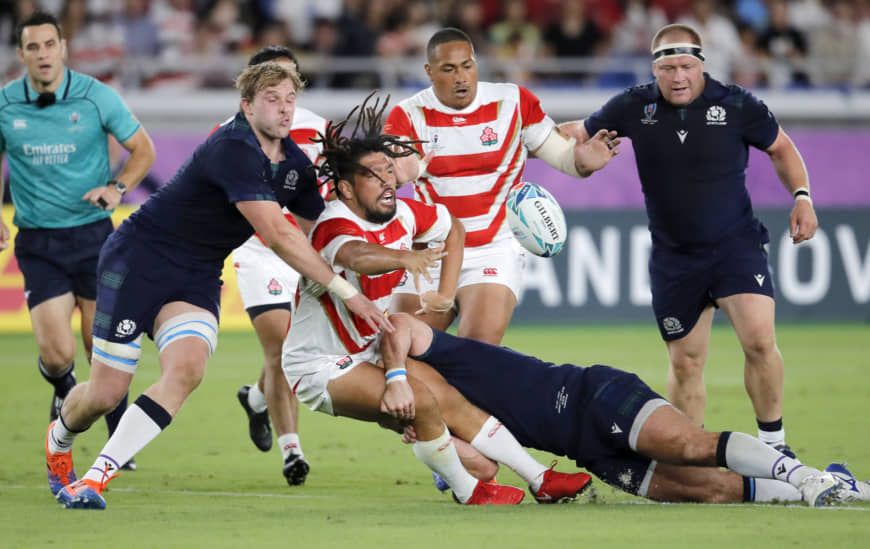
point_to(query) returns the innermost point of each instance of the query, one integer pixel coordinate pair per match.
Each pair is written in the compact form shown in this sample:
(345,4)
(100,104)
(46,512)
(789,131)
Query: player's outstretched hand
(802,221)
(433,302)
(398,400)
(417,262)
(409,435)
(5,235)
(411,167)
(594,153)
(104,198)
(362,307)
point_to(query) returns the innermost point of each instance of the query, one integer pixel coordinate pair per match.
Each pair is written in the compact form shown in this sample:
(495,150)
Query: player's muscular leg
(88,308)
(51,328)
(686,373)
(668,436)
(485,311)
(752,316)
(271,327)
(90,400)
(679,483)
(182,361)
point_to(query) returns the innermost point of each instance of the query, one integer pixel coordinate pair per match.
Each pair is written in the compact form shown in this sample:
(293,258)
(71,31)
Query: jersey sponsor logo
(649,110)
(125,327)
(274,287)
(716,116)
(682,135)
(561,399)
(48,154)
(760,279)
(344,363)
(291,180)
(19,124)
(614,429)
(488,137)
(671,325)
(490,271)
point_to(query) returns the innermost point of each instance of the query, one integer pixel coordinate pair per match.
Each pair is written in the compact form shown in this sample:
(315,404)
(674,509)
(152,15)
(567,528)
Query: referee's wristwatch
(118,185)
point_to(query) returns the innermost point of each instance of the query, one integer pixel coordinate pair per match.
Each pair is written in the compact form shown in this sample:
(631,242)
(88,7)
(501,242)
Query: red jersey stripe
(466,165)
(483,114)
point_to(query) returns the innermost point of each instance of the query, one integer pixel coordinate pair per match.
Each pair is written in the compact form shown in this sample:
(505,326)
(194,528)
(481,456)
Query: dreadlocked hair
(342,153)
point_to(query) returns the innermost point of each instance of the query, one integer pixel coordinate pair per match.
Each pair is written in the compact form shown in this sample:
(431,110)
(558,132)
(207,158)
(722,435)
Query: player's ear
(428,68)
(344,189)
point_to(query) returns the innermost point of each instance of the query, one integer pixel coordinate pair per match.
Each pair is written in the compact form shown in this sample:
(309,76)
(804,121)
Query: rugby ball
(536,219)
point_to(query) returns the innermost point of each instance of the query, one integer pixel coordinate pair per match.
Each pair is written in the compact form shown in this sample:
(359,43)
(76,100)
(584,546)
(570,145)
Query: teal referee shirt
(59,153)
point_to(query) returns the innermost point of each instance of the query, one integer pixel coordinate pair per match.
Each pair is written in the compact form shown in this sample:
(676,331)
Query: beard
(374,216)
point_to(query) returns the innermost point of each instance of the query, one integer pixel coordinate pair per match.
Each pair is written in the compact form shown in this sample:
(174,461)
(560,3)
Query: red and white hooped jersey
(322,324)
(480,152)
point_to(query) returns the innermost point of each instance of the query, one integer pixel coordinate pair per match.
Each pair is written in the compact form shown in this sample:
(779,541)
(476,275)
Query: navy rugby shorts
(57,261)
(683,284)
(134,282)
(612,401)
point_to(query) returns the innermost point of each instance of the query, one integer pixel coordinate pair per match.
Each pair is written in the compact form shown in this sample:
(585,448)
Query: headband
(677,49)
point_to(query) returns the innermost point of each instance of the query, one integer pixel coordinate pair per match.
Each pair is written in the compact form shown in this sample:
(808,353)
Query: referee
(54,127)
(691,136)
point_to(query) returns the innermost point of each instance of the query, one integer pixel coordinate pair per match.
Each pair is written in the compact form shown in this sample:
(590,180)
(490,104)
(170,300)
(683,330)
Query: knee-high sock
(750,457)
(139,425)
(496,442)
(61,382)
(440,455)
(113,417)
(768,490)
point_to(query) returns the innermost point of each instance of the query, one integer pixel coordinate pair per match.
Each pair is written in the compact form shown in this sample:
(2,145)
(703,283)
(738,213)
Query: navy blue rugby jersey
(691,159)
(194,216)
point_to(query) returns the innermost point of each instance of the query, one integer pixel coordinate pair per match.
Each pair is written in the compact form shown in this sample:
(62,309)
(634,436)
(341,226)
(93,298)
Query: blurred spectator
(232,27)
(270,32)
(355,38)
(784,47)
(467,15)
(673,9)
(634,34)
(95,45)
(749,72)
(175,20)
(833,55)
(141,41)
(719,35)
(514,42)
(12,11)
(300,16)
(573,35)
(807,15)
(752,13)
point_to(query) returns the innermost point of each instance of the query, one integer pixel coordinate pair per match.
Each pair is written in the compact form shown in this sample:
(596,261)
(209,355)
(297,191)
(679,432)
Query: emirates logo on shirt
(488,137)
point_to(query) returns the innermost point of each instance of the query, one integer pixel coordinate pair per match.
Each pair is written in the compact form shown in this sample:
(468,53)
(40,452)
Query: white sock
(60,439)
(767,490)
(289,443)
(750,457)
(772,437)
(440,455)
(497,443)
(256,399)
(135,430)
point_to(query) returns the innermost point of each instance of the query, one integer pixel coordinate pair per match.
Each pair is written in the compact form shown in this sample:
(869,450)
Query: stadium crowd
(197,44)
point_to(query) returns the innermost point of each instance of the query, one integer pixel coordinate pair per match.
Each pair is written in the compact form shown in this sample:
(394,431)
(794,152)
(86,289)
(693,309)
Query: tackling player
(159,274)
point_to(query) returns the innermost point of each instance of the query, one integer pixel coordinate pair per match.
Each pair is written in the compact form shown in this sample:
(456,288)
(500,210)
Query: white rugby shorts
(501,262)
(263,277)
(309,378)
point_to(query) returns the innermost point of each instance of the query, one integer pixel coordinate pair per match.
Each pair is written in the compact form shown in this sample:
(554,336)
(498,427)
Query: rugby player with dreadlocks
(331,358)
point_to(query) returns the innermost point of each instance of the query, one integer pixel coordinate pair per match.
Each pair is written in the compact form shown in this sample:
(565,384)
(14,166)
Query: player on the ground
(478,135)
(368,235)
(159,273)
(691,136)
(54,127)
(611,423)
(267,286)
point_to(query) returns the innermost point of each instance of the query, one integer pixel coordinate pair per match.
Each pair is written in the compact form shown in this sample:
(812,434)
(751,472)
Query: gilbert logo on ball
(536,219)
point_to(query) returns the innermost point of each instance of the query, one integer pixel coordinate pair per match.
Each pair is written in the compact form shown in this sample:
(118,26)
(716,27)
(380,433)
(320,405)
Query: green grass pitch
(203,484)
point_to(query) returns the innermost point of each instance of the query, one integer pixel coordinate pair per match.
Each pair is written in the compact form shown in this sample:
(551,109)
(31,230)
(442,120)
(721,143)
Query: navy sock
(63,382)
(748,489)
(113,417)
